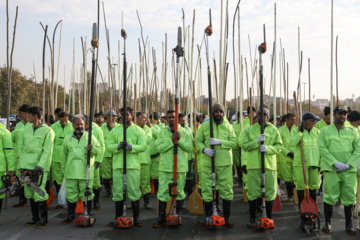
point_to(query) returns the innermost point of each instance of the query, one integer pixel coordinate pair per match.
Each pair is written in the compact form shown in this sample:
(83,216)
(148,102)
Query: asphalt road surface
(287,221)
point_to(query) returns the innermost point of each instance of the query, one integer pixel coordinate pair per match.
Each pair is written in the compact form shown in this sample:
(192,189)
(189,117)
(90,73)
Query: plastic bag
(62,194)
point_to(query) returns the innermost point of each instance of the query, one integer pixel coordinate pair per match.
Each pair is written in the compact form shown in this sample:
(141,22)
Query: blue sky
(159,17)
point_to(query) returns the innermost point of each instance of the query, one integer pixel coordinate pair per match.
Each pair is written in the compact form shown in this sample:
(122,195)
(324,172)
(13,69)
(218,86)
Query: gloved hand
(290,155)
(263,148)
(38,169)
(214,142)
(261,138)
(347,166)
(340,166)
(126,146)
(120,146)
(302,127)
(97,164)
(208,151)
(244,169)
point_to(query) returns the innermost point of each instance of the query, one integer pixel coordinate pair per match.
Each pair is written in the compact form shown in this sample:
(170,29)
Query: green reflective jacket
(60,134)
(191,137)
(339,146)
(166,149)
(106,131)
(74,156)
(98,134)
(134,136)
(310,146)
(244,134)
(223,152)
(17,137)
(273,143)
(37,147)
(285,135)
(321,124)
(145,156)
(155,131)
(6,151)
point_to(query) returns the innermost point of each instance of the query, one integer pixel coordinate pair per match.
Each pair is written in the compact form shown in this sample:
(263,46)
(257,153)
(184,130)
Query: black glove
(244,169)
(302,127)
(97,165)
(290,155)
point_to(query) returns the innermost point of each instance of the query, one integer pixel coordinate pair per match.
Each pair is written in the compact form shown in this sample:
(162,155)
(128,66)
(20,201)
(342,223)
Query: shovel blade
(196,203)
(309,205)
(277,204)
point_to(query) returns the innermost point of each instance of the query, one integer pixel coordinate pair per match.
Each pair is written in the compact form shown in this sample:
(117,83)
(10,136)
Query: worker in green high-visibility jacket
(340,151)
(224,140)
(36,154)
(271,147)
(310,138)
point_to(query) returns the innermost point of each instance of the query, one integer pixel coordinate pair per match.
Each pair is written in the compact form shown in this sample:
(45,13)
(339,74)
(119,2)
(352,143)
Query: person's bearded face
(218,115)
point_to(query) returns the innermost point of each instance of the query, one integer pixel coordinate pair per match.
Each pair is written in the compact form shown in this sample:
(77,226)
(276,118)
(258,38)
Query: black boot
(96,198)
(156,185)
(1,201)
(312,194)
(301,195)
(348,218)
(227,210)
(328,209)
(136,208)
(161,220)
(107,185)
(57,187)
(71,213)
(269,208)
(289,189)
(22,199)
(119,207)
(35,213)
(43,215)
(208,211)
(179,205)
(147,201)
(252,208)
(189,187)
(259,204)
(218,207)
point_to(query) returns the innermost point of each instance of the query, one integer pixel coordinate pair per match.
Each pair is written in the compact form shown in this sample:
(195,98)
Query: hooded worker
(36,155)
(145,160)
(224,141)
(17,136)
(287,154)
(310,138)
(340,151)
(271,147)
(165,145)
(135,144)
(74,164)
(62,128)
(106,165)
(7,159)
